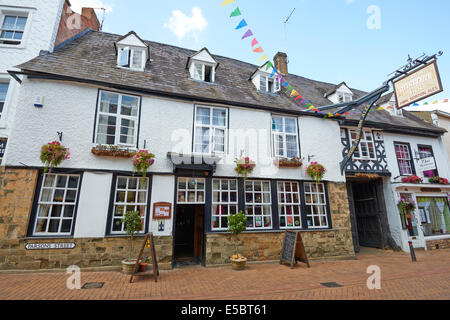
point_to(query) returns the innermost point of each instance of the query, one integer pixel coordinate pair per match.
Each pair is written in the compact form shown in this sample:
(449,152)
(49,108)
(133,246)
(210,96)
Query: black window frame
(109,218)
(34,208)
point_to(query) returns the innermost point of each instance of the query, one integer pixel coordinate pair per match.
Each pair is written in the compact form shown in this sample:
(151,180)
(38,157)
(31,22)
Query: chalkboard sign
(293,249)
(148,243)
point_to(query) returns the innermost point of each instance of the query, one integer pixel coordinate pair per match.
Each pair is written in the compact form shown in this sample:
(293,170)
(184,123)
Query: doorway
(189,234)
(366,213)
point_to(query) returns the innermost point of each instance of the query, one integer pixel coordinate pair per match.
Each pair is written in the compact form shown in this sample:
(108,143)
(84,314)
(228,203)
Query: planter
(239,263)
(288,163)
(128,266)
(112,151)
(143,266)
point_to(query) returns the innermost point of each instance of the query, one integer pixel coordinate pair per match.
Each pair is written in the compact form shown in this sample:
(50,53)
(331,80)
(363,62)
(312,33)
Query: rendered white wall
(162,191)
(93,205)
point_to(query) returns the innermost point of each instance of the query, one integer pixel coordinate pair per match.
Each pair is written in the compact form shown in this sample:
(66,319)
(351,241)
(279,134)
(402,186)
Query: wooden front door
(367,213)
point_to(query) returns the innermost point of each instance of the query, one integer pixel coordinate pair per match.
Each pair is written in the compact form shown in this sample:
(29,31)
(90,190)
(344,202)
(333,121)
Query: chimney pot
(280,61)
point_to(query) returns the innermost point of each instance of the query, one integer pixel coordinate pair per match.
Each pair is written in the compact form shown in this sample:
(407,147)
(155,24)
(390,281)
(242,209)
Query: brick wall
(16,198)
(266,246)
(72,23)
(441,243)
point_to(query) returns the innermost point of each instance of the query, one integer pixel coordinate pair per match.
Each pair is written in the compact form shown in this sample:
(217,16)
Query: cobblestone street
(428,278)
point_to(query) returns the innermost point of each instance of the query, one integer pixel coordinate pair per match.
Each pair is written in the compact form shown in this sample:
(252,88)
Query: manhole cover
(331,284)
(92,285)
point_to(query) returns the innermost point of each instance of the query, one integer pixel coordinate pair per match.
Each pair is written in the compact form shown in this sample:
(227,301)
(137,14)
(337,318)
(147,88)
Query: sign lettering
(48,246)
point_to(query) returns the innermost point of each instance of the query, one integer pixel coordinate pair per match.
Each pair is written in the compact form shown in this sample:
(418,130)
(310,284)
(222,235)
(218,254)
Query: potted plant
(142,160)
(412,179)
(133,224)
(316,171)
(112,151)
(244,167)
(288,162)
(438,180)
(143,265)
(52,154)
(406,206)
(236,225)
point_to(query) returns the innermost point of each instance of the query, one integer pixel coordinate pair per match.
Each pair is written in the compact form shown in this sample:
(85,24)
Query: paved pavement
(428,278)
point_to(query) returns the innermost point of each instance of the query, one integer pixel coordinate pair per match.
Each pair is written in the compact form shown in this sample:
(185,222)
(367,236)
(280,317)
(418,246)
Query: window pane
(9,22)
(137,59)
(262,83)
(291,146)
(277,124)
(129,106)
(3,91)
(290,125)
(219,117)
(21,22)
(198,71)
(124,60)
(203,116)
(109,102)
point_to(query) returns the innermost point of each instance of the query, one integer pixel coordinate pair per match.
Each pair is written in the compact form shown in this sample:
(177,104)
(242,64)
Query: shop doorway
(366,210)
(189,234)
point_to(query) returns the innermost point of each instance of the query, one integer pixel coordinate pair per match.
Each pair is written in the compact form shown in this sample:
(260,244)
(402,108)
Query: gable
(132,40)
(204,56)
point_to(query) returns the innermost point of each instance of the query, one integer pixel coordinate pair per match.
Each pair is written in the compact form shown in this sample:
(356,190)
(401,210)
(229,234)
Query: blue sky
(328,40)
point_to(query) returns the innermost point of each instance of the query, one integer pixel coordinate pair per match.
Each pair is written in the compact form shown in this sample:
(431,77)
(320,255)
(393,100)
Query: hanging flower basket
(316,171)
(142,160)
(288,163)
(412,179)
(438,180)
(405,206)
(52,154)
(112,151)
(244,167)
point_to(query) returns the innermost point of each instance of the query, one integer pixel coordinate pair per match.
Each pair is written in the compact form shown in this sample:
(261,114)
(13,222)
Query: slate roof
(92,57)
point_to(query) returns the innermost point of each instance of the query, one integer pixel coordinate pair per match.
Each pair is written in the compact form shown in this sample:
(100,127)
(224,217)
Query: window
(210,129)
(289,205)
(203,72)
(427,152)
(191,190)
(224,203)
(131,58)
(12,29)
(3,91)
(56,204)
(411,221)
(117,119)
(344,97)
(365,149)
(284,137)
(130,195)
(434,215)
(258,204)
(267,84)
(403,159)
(316,210)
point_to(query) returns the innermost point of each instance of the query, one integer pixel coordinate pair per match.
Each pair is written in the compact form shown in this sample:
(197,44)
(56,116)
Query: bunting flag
(259,49)
(299,97)
(269,65)
(264,57)
(390,107)
(445,101)
(241,24)
(294,93)
(415,104)
(235,13)
(380,108)
(435,102)
(274,70)
(227,2)
(254,42)
(425,104)
(249,33)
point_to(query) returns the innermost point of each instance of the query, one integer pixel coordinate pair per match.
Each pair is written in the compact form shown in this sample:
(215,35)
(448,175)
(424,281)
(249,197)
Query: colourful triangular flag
(241,24)
(435,102)
(274,70)
(380,108)
(254,42)
(390,107)
(425,104)
(259,49)
(299,97)
(445,101)
(235,13)
(330,114)
(415,104)
(227,2)
(269,65)
(294,93)
(310,108)
(249,33)
(264,57)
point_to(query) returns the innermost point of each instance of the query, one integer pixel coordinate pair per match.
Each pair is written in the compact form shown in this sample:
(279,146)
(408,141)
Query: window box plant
(316,171)
(412,179)
(288,162)
(142,160)
(112,151)
(52,154)
(236,225)
(406,207)
(438,180)
(133,224)
(244,167)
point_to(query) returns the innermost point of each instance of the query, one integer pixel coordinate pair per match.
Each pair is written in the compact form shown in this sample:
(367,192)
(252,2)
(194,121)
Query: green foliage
(133,224)
(237,223)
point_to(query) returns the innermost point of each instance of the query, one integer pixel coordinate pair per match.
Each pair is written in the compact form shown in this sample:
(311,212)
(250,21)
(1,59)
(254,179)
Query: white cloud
(181,25)
(78,4)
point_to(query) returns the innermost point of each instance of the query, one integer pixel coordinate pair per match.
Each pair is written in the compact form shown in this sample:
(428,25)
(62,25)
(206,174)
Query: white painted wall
(93,205)
(163,191)
(40,34)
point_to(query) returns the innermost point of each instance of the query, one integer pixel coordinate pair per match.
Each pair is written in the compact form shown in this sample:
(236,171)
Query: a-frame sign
(293,249)
(148,243)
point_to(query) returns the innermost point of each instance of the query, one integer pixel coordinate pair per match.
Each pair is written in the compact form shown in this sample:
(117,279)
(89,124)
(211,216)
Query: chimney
(87,12)
(280,61)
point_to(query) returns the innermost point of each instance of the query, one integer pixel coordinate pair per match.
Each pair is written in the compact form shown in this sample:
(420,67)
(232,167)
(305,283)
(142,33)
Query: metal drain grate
(93,285)
(331,284)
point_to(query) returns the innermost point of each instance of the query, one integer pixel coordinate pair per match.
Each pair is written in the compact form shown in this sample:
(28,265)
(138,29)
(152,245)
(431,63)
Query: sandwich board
(293,249)
(148,243)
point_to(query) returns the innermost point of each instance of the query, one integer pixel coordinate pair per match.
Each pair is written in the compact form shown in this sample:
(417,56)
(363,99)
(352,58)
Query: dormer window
(267,84)
(132,52)
(344,97)
(202,66)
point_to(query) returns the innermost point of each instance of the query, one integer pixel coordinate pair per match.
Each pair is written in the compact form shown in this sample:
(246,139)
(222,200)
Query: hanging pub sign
(426,164)
(418,85)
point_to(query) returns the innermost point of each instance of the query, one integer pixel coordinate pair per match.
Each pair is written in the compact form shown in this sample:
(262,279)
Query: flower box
(438,180)
(288,163)
(112,151)
(412,179)
(244,167)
